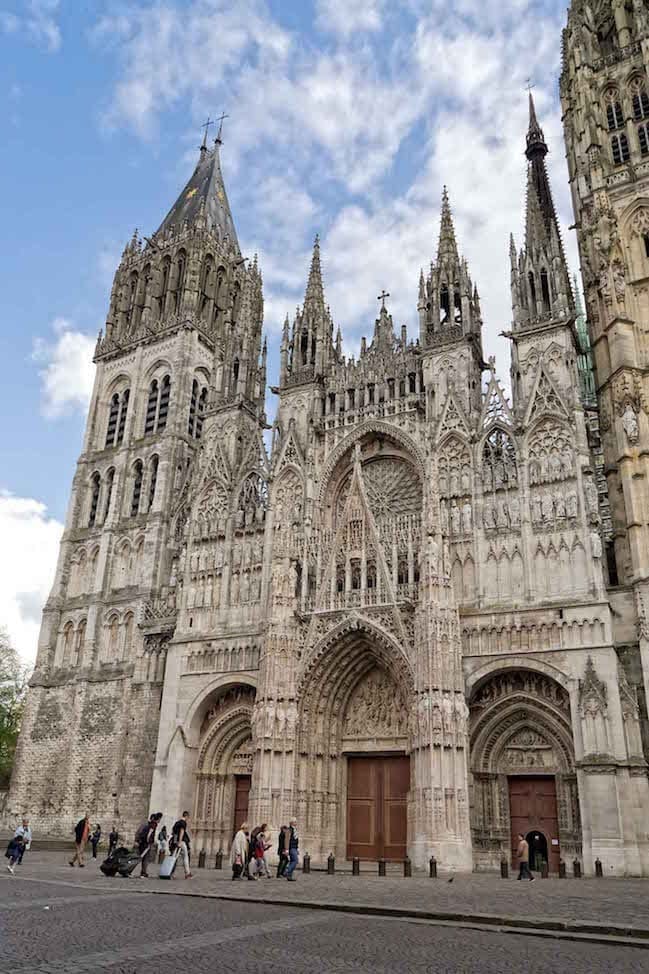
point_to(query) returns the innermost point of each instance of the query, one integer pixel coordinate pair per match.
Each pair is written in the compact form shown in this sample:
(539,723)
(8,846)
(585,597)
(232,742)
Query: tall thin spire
(447,249)
(536,144)
(314,296)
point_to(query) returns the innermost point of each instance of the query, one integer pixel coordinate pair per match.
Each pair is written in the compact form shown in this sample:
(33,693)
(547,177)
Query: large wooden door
(241,796)
(533,809)
(377,793)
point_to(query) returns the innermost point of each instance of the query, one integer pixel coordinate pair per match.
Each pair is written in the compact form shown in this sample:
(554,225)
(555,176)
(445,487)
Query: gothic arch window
(499,461)
(153,479)
(545,290)
(165,394)
(80,638)
(197,406)
(110,480)
(457,305)
(193,406)
(164,284)
(202,404)
(95,487)
(181,270)
(112,638)
(620,148)
(444,304)
(132,295)
(151,408)
(614,114)
(640,99)
(113,416)
(454,468)
(123,410)
(643,138)
(138,475)
(218,292)
(551,456)
(253,501)
(235,373)
(67,643)
(129,625)
(205,284)
(532,284)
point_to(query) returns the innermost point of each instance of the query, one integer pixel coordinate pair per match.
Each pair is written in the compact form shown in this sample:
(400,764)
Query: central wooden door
(241,797)
(533,809)
(377,803)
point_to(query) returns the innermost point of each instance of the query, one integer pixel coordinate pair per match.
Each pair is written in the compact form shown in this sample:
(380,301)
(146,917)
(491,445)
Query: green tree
(13,687)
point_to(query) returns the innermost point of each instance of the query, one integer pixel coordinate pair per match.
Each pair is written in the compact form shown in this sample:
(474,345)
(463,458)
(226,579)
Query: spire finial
(314,289)
(206,125)
(219,140)
(535,141)
(447,243)
(381,297)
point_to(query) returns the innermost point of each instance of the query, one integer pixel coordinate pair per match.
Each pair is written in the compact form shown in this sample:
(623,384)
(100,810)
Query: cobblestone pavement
(54,928)
(611,901)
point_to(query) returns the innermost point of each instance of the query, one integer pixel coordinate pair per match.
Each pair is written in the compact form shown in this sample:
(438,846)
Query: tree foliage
(13,687)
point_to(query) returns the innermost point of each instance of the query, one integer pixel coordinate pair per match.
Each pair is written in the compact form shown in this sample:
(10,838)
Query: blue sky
(344,119)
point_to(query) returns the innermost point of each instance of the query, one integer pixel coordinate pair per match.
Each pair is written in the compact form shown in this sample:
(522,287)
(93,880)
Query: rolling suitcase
(168,866)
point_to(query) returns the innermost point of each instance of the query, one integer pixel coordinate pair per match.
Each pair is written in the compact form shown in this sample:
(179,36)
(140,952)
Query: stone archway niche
(520,726)
(225,756)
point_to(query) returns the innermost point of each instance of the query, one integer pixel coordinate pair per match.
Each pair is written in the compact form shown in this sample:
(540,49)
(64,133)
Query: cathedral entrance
(533,813)
(377,801)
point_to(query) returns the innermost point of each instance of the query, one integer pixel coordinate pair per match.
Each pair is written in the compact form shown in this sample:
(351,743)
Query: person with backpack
(81,832)
(145,840)
(179,843)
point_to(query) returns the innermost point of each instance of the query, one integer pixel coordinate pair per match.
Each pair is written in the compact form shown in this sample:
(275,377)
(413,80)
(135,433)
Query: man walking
(81,832)
(24,831)
(180,841)
(293,855)
(524,858)
(113,839)
(282,851)
(145,840)
(18,844)
(95,839)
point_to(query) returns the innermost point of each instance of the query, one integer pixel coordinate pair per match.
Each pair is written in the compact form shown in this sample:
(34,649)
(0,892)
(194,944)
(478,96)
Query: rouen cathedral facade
(410,614)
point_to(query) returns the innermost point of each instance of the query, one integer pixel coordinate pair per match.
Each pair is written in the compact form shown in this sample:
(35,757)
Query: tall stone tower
(605,101)
(180,348)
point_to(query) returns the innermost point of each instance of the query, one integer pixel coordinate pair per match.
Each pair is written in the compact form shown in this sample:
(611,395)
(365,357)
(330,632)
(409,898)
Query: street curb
(580,930)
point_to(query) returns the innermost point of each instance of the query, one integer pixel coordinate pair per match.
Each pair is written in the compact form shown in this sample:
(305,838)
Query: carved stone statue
(467,519)
(535,504)
(444,516)
(630,423)
(515,512)
(571,504)
(547,508)
(596,544)
(455,518)
(559,504)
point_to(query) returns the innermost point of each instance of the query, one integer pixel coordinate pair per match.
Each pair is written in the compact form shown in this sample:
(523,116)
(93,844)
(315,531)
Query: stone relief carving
(376,709)
(630,424)
(592,692)
(532,684)
(499,468)
(551,454)
(529,749)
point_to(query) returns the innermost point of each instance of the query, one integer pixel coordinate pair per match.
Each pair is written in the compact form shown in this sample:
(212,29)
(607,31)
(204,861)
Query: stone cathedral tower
(394,618)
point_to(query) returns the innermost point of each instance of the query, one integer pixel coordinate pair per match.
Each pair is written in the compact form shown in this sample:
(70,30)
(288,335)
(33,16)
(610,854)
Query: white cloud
(68,371)
(346,17)
(38,20)
(30,541)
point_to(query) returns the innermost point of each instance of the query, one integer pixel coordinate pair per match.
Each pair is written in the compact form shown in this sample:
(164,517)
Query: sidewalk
(609,907)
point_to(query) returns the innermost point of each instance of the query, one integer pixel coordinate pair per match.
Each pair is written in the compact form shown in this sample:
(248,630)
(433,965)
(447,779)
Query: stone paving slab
(621,905)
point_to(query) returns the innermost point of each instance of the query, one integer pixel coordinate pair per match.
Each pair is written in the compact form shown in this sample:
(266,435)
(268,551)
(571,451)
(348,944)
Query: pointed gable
(496,407)
(544,399)
(452,419)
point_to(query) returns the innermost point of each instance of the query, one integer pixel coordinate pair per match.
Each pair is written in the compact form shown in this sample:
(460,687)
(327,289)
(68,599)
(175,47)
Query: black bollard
(432,867)
(562,869)
(356,866)
(201,859)
(331,864)
(599,872)
(544,870)
(306,863)
(407,868)
(381,867)
(576,868)
(504,869)
(218,860)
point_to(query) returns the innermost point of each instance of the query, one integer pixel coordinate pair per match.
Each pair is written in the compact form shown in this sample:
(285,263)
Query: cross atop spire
(447,248)
(206,126)
(382,296)
(218,140)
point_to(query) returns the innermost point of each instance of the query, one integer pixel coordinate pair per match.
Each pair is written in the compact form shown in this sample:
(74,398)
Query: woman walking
(239,851)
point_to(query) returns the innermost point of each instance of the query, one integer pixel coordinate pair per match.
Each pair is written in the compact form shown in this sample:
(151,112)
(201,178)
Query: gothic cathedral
(410,614)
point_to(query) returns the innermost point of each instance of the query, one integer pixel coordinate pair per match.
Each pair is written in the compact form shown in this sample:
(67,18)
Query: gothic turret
(311,347)
(541,290)
(448,309)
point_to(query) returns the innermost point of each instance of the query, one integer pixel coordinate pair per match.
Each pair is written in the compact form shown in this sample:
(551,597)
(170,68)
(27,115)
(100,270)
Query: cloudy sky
(345,118)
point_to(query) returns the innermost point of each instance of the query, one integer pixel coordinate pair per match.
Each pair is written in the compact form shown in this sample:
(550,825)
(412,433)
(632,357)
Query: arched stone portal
(353,747)
(224,768)
(522,767)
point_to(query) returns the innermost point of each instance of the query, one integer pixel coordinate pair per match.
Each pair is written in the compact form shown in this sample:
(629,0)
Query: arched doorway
(522,766)
(224,768)
(538,846)
(353,767)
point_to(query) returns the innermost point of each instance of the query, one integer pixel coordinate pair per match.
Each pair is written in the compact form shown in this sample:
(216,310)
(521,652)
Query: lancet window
(95,487)
(157,407)
(138,476)
(110,480)
(620,148)
(153,479)
(499,461)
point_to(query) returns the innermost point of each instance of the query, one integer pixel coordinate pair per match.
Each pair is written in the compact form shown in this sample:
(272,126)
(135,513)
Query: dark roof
(206,184)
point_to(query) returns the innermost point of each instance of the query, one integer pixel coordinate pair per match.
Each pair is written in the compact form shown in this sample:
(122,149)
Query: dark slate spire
(536,150)
(204,196)
(314,296)
(447,248)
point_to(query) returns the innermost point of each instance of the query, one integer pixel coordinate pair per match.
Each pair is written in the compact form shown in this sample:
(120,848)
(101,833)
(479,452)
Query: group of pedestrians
(249,848)
(148,841)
